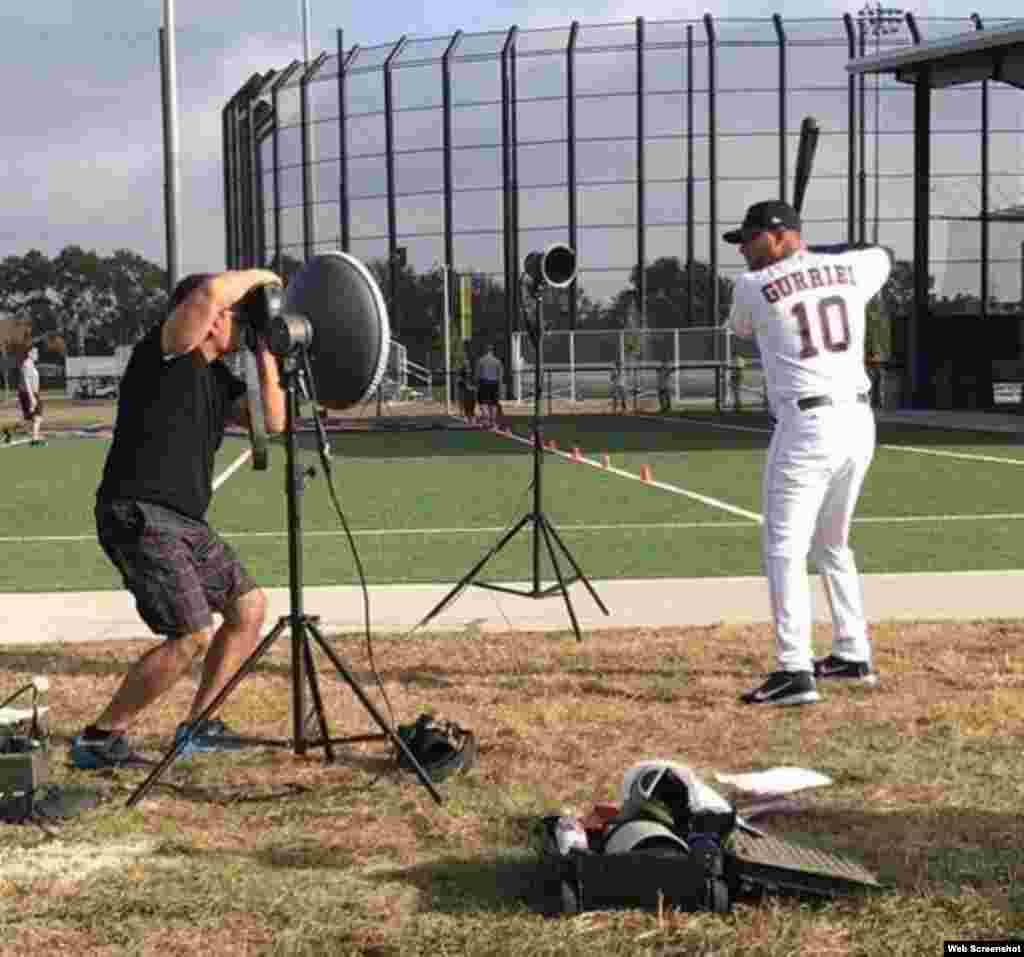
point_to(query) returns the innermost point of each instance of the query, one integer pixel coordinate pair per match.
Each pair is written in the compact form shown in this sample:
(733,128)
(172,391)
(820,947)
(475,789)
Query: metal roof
(996,54)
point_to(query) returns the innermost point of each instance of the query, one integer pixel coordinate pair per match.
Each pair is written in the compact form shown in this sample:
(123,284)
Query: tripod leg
(576,568)
(143,789)
(542,524)
(382,723)
(467,579)
(318,701)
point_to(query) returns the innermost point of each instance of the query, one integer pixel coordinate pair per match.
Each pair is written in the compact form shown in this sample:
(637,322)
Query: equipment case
(709,878)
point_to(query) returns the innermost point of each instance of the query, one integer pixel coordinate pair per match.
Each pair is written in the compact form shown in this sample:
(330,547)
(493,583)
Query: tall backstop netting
(441,162)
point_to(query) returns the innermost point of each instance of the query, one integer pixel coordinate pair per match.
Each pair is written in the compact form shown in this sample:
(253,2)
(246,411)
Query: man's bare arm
(274,399)
(190,325)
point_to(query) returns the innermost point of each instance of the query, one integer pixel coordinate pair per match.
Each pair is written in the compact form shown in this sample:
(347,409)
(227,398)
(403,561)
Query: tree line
(82,303)
(79,302)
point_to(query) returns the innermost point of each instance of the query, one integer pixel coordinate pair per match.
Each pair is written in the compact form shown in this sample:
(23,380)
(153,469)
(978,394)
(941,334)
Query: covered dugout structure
(957,348)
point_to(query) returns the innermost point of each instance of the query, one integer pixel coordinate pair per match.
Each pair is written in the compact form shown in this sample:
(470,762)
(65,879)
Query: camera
(259,311)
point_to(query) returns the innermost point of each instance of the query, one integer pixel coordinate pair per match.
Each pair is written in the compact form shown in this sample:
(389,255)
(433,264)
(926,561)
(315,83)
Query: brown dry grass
(264,852)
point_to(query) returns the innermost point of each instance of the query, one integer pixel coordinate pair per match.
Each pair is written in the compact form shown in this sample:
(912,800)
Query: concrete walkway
(644,603)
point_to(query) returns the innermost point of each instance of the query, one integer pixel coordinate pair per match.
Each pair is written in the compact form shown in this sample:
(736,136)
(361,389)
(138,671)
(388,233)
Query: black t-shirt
(170,423)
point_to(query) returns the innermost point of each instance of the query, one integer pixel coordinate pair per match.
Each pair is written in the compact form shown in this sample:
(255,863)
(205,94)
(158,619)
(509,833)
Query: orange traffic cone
(604,461)
(645,473)
(576,453)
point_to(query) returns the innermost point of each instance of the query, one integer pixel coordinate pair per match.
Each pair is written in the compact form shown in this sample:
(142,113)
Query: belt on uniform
(817,401)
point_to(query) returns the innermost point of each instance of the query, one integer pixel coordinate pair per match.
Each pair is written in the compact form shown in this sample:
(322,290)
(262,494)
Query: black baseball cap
(770,214)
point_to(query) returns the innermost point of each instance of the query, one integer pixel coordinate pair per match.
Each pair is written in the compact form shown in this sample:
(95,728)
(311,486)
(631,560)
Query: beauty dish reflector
(351,338)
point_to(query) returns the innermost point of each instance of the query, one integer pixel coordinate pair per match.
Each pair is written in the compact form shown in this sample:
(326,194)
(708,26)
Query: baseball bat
(804,160)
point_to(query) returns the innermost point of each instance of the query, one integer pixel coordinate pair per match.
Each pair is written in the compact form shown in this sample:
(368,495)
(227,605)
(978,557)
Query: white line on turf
(942,453)
(490,530)
(232,468)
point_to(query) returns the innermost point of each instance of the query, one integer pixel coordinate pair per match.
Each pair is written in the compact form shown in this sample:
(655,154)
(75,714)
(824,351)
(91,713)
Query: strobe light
(334,309)
(262,311)
(554,266)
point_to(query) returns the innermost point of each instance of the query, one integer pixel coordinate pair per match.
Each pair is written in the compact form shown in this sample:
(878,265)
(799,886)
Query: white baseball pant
(813,475)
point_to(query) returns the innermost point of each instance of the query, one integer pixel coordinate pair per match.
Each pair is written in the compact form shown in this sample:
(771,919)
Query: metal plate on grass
(772,863)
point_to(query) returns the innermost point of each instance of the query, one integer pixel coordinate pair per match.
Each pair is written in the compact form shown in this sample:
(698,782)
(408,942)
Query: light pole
(309,132)
(879,21)
(305,33)
(169,89)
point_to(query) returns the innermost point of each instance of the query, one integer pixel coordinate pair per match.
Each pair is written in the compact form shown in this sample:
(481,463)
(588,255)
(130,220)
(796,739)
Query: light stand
(294,366)
(556,267)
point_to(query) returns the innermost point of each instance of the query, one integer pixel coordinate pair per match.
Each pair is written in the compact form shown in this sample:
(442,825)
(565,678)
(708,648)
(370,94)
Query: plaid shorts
(178,569)
(25,401)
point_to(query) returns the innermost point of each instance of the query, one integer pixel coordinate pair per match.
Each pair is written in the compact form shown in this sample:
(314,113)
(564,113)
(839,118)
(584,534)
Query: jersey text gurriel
(814,277)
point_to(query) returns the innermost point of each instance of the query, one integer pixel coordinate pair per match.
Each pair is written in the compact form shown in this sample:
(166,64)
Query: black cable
(325,461)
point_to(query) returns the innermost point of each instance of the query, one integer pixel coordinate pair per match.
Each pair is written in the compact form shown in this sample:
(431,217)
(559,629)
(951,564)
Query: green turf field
(425,506)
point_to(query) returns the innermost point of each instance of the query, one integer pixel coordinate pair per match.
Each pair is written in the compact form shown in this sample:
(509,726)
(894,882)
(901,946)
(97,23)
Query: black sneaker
(784,687)
(833,666)
(111,751)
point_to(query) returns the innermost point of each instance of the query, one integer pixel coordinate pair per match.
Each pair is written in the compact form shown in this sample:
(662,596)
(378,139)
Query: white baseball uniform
(807,313)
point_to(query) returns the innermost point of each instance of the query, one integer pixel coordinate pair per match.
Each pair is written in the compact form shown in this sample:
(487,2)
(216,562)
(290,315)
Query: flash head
(348,325)
(554,266)
(334,309)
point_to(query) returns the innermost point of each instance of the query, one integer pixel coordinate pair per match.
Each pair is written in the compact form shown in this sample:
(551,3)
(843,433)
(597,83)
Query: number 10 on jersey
(828,328)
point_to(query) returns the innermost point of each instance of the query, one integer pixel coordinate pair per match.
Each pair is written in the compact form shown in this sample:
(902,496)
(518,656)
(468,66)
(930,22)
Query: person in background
(29,397)
(873,362)
(467,391)
(739,365)
(618,388)
(489,370)
(664,387)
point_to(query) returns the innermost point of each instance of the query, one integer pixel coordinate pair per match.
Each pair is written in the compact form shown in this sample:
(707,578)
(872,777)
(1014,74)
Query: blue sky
(83,158)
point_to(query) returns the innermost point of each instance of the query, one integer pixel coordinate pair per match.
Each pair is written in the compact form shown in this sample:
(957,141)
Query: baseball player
(806,309)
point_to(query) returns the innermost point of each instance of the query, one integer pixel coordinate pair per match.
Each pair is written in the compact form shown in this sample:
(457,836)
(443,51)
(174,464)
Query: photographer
(177,395)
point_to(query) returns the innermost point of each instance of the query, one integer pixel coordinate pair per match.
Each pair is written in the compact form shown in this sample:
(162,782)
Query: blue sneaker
(113,751)
(212,735)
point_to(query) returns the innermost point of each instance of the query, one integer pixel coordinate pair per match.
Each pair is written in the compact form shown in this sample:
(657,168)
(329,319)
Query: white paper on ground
(774,780)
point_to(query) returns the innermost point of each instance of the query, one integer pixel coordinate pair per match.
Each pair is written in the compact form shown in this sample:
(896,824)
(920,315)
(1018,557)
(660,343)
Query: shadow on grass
(498,883)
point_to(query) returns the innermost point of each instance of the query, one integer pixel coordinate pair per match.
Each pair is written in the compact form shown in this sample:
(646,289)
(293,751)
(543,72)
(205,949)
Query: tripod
(543,530)
(303,627)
